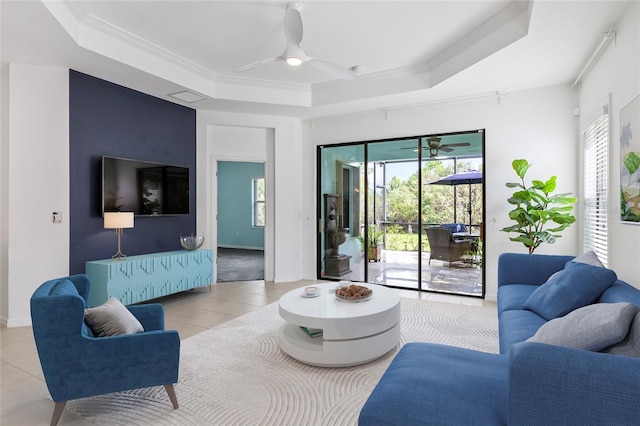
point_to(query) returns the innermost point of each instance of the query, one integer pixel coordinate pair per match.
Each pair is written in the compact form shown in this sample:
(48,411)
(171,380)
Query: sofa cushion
(620,291)
(516,326)
(630,345)
(513,296)
(592,328)
(435,384)
(575,286)
(111,319)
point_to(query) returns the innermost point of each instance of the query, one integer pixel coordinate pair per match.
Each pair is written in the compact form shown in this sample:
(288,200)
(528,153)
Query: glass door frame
(366,184)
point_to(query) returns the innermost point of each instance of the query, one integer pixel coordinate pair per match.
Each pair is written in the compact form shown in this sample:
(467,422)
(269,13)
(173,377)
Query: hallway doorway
(241,221)
(240,264)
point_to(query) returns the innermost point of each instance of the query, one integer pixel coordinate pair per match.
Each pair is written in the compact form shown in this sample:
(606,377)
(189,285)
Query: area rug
(235,374)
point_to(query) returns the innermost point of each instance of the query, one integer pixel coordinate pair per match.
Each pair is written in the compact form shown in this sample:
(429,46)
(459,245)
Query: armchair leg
(57,412)
(172,395)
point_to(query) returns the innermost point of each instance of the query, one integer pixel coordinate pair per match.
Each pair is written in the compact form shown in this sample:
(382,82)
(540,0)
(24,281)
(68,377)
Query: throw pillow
(577,285)
(630,346)
(592,328)
(589,257)
(111,319)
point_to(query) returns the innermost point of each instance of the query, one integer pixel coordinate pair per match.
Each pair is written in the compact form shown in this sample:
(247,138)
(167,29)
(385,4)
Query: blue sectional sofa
(528,383)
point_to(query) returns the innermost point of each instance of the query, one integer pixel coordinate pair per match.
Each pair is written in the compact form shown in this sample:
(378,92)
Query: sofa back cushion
(620,291)
(521,268)
(577,285)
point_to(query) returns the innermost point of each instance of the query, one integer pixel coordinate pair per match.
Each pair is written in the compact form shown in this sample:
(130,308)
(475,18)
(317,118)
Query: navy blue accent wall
(108,119)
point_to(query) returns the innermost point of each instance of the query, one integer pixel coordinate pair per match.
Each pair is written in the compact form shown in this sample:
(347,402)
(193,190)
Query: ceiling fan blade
(331,68)
(456,144)
(294,55)
(293,25)
(445,148)
(258,63)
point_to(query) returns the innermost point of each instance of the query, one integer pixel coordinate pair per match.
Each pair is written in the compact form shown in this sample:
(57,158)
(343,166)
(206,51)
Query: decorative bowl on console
(191,242)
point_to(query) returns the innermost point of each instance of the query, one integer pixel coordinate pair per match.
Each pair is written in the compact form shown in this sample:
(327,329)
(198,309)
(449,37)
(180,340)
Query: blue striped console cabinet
(139,278)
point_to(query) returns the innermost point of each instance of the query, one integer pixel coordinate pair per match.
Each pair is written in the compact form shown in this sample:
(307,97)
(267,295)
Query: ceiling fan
(293,53)
(434,146)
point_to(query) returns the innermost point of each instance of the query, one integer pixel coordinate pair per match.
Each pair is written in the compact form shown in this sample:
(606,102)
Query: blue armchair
(76,364)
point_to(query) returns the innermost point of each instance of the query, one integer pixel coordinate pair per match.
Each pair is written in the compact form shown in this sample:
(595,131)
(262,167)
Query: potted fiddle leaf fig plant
(373,243)
(539,215)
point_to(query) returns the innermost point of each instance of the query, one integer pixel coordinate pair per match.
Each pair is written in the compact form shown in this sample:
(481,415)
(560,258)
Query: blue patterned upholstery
(76,364)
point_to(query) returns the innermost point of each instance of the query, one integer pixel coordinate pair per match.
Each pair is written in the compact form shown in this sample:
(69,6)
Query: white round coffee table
(353,333)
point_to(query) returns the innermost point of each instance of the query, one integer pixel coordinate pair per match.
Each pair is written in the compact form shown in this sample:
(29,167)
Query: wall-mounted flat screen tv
(145,188)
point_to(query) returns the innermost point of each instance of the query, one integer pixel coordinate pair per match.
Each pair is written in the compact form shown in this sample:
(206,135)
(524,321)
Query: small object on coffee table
(353,292)
(312,291)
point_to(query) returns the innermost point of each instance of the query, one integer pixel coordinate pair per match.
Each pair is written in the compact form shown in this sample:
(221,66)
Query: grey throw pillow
(111,319)
(630,346)
(592,327)
(590,258)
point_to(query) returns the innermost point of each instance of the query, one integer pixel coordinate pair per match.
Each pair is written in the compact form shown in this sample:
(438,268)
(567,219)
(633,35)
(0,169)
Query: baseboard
(15,322)
(230,246)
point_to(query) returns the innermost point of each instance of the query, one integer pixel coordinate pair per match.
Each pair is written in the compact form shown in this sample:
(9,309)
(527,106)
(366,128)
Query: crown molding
(111,41)
(383,83)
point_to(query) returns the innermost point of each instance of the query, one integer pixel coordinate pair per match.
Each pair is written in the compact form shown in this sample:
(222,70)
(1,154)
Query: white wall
(36,184)
(617,75)
(4,189)
(222,136)
(537,125)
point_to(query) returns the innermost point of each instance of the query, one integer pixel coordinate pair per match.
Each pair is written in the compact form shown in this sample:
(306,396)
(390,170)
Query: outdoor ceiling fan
(434,146)
(293,53)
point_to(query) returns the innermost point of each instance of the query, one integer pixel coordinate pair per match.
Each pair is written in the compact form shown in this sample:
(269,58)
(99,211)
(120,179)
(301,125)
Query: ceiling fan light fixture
(294,61)
(434,141)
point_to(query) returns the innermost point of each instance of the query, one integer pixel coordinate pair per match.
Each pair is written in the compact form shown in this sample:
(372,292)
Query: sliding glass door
(341,219)
(377,199)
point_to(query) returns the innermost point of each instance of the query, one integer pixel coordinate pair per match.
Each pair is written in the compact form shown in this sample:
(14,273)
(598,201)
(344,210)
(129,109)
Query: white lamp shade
(118,220)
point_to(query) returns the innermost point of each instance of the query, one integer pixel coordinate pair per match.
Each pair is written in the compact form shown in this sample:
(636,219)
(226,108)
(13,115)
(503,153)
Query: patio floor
(400,269)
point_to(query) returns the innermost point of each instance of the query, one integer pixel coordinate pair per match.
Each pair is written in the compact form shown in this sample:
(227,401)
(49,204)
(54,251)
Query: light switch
(57,217)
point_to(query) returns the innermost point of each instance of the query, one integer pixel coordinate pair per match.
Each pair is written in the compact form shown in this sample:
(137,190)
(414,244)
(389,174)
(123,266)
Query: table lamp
(118,221)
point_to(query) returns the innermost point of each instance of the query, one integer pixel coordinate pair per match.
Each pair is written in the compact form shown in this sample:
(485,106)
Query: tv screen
(144,188)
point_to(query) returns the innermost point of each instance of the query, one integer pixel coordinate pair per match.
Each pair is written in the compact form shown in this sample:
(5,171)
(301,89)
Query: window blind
(596,172)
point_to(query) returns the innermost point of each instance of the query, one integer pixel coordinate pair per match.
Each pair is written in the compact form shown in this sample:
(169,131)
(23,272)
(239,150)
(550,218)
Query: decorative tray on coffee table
(353,293)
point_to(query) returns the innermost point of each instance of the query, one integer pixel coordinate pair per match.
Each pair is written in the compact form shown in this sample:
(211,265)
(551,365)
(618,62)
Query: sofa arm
(151,316)
(554,385)
(518,268)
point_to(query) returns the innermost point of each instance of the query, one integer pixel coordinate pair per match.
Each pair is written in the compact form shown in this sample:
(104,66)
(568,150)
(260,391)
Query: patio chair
(444,247)
(76,364)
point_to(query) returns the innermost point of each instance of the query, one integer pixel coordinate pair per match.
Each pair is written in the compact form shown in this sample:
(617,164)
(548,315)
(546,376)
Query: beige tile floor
(24,399)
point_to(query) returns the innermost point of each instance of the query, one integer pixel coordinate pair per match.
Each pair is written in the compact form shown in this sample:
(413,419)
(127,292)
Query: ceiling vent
(188,96)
